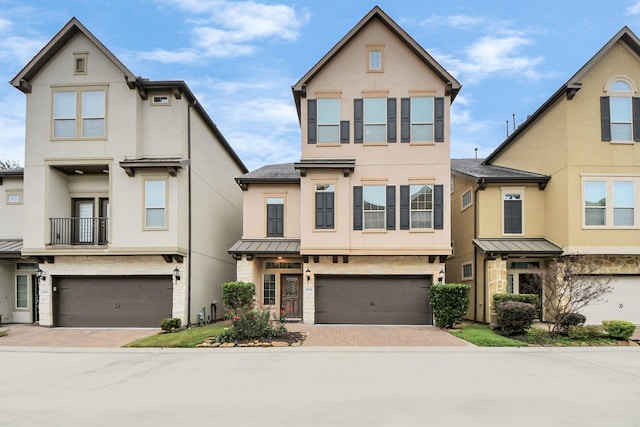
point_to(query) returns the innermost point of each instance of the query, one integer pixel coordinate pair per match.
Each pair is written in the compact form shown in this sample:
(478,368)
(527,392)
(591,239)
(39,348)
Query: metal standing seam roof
(10,246)
(537,246)
(266,246)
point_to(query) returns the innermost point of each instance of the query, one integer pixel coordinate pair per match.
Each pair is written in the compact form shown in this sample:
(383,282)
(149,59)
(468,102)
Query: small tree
(9,164)
(571,284)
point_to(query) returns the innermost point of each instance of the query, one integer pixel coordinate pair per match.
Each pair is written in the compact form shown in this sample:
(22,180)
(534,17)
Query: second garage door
(623,303)
(113,301)
(381,300)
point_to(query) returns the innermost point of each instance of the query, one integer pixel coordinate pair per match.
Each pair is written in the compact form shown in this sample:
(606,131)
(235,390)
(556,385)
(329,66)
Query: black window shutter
(320,209)
(312,121)
(344,131)
(405,120)
(392,127)
(357,208)
(438,207)
(438,120)
(605,118)
(358,121)
(324,210)
(404,207)
(391,207)
(329,210)
(636,118)
(275,220)
(513,216)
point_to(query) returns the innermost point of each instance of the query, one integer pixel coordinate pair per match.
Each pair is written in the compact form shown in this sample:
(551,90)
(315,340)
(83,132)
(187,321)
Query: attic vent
(161,100)
(80,63)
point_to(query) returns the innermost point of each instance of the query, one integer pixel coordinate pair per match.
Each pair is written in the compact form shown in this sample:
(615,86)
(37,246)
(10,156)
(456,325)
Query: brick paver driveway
(36,336)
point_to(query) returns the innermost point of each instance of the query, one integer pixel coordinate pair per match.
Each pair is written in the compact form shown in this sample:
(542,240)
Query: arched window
(617,109)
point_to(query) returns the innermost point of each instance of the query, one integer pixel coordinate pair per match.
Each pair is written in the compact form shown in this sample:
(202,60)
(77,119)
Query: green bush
(580,332)
(619,329)
(170,324)
(532,299)
(250,324)
(236,295)
(570,319)
(450,302)
(515,317)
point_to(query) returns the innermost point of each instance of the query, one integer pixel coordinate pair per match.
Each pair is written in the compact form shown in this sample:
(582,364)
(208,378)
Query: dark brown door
(381,300)
(291,295)
(113,301)
(103,222)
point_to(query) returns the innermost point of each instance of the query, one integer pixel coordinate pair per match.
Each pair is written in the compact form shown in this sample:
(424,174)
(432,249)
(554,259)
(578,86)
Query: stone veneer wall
(111,266)
(617,264)
(496,284)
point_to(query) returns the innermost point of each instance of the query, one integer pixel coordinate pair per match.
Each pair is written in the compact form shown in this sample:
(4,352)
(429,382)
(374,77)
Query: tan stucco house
(359,228)
(114,167)
(567,181)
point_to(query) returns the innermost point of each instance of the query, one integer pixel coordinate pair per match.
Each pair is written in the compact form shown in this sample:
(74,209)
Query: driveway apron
(27,335)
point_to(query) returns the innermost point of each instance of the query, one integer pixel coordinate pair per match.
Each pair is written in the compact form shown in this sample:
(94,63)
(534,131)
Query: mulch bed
(289,339)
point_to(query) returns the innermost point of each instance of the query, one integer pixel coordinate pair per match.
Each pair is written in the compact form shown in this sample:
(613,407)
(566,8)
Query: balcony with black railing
(79,231)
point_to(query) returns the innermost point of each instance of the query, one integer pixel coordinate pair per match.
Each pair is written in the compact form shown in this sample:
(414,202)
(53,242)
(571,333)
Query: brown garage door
(108,301)
(378,300)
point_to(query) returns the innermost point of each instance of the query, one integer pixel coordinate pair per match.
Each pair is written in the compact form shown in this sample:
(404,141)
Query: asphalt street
(320,386)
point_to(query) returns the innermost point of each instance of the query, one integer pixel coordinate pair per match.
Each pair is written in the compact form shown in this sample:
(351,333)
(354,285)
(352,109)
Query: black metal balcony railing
(79,231)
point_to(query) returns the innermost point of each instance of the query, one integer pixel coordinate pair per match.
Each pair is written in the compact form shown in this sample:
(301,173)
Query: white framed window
(375,58)
(160,100)
(79,113)
(328,120)
(14,197)
(422,108)
(22,291)
(512,211)
(467,271)
(421,205)
(610,202)
(621,111)
(269,289)
(374,207)
(466,199)
(155,196)
(375,119)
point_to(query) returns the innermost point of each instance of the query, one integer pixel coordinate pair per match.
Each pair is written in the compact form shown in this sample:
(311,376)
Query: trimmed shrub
(570,319)
(450,302)
(532,299)
(236,295)
(619,329)
(515,317)
(170,324)
(248,324)
(580,332)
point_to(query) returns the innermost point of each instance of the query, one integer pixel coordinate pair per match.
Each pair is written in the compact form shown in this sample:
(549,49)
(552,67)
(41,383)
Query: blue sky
(240,58)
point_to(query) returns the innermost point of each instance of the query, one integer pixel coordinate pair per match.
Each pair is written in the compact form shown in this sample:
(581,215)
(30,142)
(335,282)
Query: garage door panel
(373,300)
(623,303)
(125,301)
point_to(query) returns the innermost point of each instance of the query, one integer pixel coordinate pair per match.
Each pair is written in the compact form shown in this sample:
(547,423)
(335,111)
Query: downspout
(190,213)
(475,256)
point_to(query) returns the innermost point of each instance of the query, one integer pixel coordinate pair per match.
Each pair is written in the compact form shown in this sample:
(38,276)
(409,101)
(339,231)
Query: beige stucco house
(129,198)
(359,228)
(567,181)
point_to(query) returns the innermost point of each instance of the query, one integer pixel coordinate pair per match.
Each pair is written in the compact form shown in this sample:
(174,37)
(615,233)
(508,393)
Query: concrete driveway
(27,335)
(318,335)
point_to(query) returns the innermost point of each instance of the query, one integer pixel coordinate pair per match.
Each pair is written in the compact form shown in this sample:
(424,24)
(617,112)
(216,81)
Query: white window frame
(610,207)
(376,124)
(375,58)
(462,268)
(160,100)
(372,211)
(80,114)
(160,206)
(412,210)
(415,122)
(462,199)
(323,103)
(11,195)
(513,192)
(80,63)
(264,288)
(616,94)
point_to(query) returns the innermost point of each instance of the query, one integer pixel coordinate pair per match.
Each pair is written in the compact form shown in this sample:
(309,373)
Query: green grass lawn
(481,335)
(187,338)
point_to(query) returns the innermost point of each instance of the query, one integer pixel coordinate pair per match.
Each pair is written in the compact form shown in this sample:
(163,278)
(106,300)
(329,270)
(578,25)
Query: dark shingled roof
(489,173)
(281,173)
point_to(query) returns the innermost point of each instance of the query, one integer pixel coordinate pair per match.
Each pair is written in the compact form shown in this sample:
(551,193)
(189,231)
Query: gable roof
(22,80)
(570,88)
(453,86)
(483,174)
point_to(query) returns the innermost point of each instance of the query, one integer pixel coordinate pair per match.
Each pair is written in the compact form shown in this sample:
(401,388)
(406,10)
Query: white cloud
(16,49)
(634,9)
(225,28)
